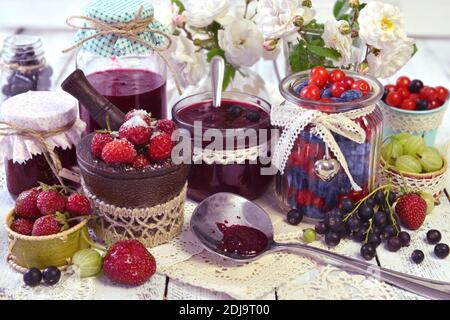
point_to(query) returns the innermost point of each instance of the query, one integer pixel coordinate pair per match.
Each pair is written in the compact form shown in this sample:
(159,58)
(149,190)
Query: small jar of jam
(23,66)
(25,119)
(234,170)
(314,180)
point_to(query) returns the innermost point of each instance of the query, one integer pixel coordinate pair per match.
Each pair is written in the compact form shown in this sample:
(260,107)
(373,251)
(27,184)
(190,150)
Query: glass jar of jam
(301,185)
(23,66)
(127,81)
(51,115)
(236,169)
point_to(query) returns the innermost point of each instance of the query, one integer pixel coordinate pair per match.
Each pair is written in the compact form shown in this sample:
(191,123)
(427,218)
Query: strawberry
(22,226)
(136,130)
(50,224)
(166,126)
(50,201)
(144,115)
(140,162)
(411,208)
(26,204)
(160,147)
(119,151)
(99,140)
(78,205)
(128,262)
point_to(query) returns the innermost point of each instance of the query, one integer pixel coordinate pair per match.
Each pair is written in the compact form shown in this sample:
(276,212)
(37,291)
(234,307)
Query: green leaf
(214,28)
(298,59)
(230,71)
(340,7)
(362,6)
(215,52)
(324,52)
(414,50)
(179,4)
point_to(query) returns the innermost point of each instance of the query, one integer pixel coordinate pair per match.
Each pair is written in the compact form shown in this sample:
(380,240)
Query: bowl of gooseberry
(407,161)
(410,106)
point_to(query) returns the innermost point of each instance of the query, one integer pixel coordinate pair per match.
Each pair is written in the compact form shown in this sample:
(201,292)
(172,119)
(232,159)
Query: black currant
(380,219)
(347,205)
(394,244)
(32,277)
(441,250)
(368,251)
(365,212)
(374,239)
(405,238)
(332,239)
(353,223)
(415,86)
(422,104)
(417,256)
(294,217)
(51,275)
(433,236)
(321,227)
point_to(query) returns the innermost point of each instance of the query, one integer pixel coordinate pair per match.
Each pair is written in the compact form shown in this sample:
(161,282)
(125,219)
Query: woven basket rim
(65,233)
(418,176)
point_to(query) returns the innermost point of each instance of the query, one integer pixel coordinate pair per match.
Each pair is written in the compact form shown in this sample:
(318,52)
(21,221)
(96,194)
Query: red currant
(336,76)
(362,86)
(348,82)
(317,202)
(304,197)
(318,81)
(394,99)
(403,82)
(434,104)
(408,104)
(390,87)
(337,89)
(319,71)
(311,92)
(428,93)
(404,93)
(442,93)
(414,96)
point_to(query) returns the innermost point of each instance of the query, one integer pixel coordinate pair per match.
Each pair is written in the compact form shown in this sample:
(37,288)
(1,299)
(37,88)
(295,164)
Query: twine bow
(11,129)
(293,120)
(129,30)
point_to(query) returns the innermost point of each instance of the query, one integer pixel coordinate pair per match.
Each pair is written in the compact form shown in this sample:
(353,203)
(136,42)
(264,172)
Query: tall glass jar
(300,186)
(127,81)
(23,66)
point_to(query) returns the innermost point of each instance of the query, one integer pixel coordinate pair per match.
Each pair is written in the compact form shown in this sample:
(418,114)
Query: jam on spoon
(243,240)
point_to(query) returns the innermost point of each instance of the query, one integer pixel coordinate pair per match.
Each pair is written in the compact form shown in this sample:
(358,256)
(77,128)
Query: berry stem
(368,230)
(358,204)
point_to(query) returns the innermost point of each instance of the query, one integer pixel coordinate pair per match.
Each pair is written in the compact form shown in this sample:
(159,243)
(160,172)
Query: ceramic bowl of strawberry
(46,228)
(132,168)
(410,106)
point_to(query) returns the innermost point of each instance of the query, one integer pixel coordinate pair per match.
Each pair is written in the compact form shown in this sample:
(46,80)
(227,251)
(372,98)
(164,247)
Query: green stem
(368,230)
(358,204)
(94,244)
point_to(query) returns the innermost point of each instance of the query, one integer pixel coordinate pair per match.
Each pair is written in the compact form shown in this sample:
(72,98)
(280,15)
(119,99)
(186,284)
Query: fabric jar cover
(40,111)
(114,12)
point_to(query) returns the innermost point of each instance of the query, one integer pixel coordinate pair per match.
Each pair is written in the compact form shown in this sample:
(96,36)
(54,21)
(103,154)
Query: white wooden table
(431,64)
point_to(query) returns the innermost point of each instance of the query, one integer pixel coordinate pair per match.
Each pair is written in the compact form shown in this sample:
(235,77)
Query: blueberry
(234,110)
(337,99)
(294,217)
(253,116)
(326,93)
(301,86)
(415,86)
(441,250)
(417,256)
(385,93)
(51,275)
(32,277)
(351,95)
(422,104)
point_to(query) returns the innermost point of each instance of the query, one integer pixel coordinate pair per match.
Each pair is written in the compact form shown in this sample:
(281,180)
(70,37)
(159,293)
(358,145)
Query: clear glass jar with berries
(23,66)
(329,148)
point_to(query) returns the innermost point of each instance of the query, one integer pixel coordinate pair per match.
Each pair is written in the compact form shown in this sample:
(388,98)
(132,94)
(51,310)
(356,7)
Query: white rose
(166,14)
(381,24)
(388,61)
(242,42)
(201,13)
(275,18)
(188,64)
(333,38)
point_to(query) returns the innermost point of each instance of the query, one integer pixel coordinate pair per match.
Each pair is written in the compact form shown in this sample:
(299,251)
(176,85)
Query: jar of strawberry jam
(35,127)
(330,147)
(236,164)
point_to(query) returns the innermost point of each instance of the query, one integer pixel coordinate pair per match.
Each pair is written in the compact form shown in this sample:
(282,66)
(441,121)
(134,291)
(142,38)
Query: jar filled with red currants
(329,148)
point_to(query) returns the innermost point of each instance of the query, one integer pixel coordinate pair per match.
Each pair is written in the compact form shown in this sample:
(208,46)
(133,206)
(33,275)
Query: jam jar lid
(41,111)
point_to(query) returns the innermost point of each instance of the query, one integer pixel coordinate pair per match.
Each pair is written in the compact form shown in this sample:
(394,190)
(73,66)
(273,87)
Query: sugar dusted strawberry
(128,262)
(411,208)
(160,147)
(136,130)
(49,224)
(50,201)
(140,162)
(119,151)
(78,205)
(144,115)
(99,140)
(26,204)
(22,226)
(166,126)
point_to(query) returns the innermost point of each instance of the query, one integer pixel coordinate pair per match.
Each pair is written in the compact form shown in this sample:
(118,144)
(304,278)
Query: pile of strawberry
(413,95)
(333,86)
(44,211)
(139,142)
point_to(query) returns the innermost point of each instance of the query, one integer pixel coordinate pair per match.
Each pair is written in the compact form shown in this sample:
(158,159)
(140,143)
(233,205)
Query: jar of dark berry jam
(314,179)
(34,125)
(237,167)
(23,66)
